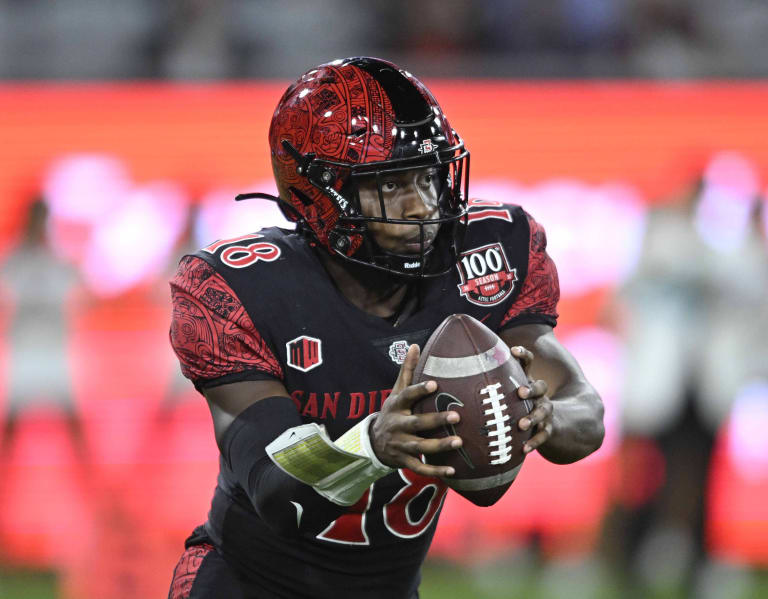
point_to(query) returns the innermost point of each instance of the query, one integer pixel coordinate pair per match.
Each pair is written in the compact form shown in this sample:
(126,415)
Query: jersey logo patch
(304,353)
(486,278)
(397,351)
(395,347)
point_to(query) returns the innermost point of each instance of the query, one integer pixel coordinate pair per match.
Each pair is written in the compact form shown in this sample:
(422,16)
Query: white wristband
(340,471)
(347,489)
(357,440)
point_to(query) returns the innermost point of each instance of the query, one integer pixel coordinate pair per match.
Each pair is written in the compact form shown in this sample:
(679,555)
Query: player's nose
(418,207)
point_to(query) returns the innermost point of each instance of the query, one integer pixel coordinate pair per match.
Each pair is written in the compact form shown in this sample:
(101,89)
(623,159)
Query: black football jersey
(262,306)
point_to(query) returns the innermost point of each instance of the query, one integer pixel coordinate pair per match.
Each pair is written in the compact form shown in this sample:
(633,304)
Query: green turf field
(445,581)
(26,584)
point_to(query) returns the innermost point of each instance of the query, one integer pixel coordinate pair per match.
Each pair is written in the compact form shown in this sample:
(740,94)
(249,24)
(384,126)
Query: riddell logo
(304,353)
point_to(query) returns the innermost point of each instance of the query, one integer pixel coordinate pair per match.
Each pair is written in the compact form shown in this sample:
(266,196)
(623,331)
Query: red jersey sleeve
(211,332)
(537,302)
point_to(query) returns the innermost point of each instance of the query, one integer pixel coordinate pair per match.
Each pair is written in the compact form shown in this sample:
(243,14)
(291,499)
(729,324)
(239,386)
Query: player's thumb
(405,376)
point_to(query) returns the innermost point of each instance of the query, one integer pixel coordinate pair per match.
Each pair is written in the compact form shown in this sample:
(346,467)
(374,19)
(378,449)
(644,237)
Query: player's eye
(428,179)
(389,186)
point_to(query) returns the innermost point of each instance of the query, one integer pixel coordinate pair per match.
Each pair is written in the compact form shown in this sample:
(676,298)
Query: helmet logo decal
(486,278)
(427,146)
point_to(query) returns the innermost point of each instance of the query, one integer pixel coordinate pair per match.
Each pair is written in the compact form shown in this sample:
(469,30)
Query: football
(477,377)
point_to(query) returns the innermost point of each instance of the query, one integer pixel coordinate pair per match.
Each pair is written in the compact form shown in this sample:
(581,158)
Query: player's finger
(420,467)
(541,413)
(417,446)
(533,390)
(405,376)
(431,420)
(538,439)
(408,396)
(427,446)
(524,356)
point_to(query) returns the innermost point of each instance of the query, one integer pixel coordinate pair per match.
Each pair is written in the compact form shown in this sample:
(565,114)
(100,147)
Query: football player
(285,330)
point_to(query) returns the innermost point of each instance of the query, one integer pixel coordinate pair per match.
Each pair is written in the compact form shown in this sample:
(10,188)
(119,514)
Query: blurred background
(636,131)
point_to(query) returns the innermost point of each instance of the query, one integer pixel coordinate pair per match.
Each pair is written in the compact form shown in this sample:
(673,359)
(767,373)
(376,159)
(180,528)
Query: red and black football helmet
(365,117)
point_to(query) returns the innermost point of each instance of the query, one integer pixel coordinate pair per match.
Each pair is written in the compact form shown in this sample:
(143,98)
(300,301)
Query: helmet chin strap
(405,266)
(408,265)
(395,265)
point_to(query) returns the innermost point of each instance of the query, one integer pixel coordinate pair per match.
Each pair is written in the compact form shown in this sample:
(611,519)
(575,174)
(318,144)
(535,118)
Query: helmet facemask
(438,238)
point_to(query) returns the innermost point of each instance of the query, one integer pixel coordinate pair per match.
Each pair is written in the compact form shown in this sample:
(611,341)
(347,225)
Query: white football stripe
(488,482)
(453,368)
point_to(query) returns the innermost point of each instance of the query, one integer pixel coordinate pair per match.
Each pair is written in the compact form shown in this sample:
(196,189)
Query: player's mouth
(414,245)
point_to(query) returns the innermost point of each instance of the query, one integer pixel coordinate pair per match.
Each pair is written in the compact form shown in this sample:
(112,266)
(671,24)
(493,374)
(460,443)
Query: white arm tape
(340,471)
(349,488)
(357,440)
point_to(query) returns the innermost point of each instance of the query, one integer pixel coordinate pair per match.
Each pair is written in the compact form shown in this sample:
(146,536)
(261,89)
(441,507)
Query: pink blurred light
(134,241)
(747,441)
(765,214)
(80,189)
(729,193)
(594,232)
(221,217)
(734,171)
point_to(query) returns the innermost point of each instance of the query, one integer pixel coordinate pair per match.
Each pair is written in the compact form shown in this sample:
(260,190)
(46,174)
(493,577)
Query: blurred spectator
(39,284)
(696,332)
(43,449)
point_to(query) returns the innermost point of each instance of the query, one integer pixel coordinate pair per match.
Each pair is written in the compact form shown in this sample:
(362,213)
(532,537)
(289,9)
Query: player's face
(409,195)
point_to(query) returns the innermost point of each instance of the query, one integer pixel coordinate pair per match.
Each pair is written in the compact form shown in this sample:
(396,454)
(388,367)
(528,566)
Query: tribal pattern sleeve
(211,332)
(537,302)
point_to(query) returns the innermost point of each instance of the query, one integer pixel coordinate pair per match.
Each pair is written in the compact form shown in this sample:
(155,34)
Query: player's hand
(395,431)
(540,418)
